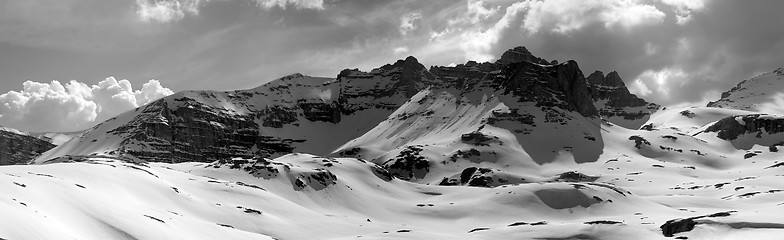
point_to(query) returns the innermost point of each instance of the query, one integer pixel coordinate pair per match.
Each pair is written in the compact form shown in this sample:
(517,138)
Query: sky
(66,65)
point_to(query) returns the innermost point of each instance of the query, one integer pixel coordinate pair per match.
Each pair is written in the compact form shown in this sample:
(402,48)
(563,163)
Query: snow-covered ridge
(762,93)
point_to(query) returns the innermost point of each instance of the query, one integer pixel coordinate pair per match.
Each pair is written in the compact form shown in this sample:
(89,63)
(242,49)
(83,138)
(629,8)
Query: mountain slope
(762,93)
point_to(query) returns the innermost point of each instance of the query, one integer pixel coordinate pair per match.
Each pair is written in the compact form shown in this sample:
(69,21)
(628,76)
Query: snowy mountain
(17,147)
(763,93)
(518,148)
(317,115)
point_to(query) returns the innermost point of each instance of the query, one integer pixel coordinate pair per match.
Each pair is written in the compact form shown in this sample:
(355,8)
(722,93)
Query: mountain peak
(611,80)
(411,59)
(519,54)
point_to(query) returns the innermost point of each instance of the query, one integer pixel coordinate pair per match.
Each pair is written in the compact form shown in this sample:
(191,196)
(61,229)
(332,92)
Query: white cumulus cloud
(165,10)
(54,107)
(407,22)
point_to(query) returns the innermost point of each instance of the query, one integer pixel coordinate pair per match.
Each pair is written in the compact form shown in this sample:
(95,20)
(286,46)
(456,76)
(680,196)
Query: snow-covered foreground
(629,192)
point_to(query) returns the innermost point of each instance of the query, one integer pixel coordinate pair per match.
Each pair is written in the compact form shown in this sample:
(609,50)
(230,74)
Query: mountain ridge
(271,119)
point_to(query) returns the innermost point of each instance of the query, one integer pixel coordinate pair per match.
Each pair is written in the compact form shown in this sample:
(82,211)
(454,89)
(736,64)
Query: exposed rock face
(672,227)
(520,54)
(542,84)
(182,129)
(615,103)
(730,128)
(531,79)
(675,226)
(408,164)
(389,85)
(481,177)
(18,148)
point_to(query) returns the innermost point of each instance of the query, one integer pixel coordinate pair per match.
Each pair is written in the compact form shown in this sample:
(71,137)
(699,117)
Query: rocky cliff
(19,148)
(616,104)
(730,128)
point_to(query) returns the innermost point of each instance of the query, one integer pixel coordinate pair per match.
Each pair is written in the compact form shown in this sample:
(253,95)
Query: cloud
(683,8)
(564,16)
(54,107)
(640,88)
(174,10)
(477,11)
(407,22)
(664,80)
(165,10)
(299,4)
(400,50)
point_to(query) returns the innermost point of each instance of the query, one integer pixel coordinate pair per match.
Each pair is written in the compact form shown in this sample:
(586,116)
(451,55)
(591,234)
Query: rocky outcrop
(391,85)
(408,164)
(481,177)
(616,104)
(675,226)
(730,128)
(16,148)
(561,85)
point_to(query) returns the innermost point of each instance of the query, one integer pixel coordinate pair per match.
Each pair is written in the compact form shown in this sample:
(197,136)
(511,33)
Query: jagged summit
(519,54)
(541,84)
(611,80)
